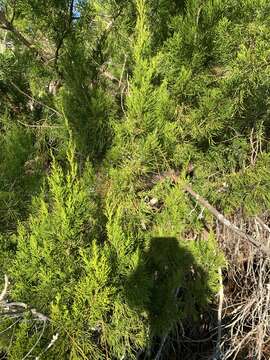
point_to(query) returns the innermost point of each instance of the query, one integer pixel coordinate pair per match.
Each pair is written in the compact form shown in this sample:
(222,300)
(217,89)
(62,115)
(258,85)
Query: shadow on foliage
(169,286)
(86,103)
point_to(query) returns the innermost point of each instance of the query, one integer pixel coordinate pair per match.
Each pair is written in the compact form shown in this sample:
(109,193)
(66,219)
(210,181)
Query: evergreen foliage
(107,110)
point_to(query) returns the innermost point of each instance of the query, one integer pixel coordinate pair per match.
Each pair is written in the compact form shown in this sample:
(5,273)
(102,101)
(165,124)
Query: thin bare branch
(158,355)
(35,100)
(51,344)
(42,126)
(221,218)
(217,355)
(4,292)
(267,228)
(36,343)
(10,326)
(123,70)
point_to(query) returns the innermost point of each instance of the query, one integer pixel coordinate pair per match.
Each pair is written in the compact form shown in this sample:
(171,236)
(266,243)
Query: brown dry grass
(246,310)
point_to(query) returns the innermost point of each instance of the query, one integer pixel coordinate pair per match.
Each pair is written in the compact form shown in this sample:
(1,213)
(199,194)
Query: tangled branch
(17,309)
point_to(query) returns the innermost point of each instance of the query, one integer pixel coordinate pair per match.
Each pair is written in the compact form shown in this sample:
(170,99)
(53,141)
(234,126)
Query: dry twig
(35,100)
(221,218)
(217,355)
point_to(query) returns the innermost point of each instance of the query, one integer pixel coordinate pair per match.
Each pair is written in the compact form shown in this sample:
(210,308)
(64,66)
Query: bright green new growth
(49,259)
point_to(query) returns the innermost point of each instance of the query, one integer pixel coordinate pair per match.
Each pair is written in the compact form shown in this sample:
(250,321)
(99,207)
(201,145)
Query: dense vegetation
(108,110)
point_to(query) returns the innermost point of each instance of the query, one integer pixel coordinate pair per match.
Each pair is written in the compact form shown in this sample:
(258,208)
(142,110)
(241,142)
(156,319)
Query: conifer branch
(221,218)
(8,26)
(65,33)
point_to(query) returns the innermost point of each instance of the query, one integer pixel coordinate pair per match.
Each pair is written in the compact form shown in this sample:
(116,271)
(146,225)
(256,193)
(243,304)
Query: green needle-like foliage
(98,235)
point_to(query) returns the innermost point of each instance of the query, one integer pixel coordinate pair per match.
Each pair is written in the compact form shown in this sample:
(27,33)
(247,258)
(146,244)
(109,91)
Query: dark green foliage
(85,103)
(20,174)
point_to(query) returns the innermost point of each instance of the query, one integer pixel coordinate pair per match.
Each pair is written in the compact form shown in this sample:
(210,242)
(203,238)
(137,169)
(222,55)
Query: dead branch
(10,326)
(36,343)
(157,357)
(43,126)
(17,309)
(262,223)
(221,218)
(248,324)
(4,292)
(52,342)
